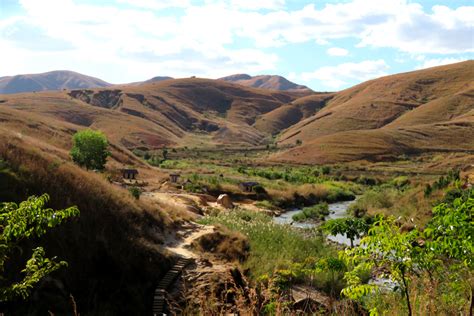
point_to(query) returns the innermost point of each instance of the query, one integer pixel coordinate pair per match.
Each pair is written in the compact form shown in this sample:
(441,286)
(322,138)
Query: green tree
(443,250)
(350,227)
(29,219)
(90,149)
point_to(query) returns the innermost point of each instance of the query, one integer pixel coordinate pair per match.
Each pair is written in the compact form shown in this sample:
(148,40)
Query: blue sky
(326,45)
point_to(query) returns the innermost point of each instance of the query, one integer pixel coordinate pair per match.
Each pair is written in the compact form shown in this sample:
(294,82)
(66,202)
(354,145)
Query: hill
(425,110)
(53,80)
(154,79)
(271,82)
(182,112)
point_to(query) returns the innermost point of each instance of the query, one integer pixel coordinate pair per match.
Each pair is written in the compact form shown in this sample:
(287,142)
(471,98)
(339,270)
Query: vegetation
(435,262)
(315,213)
(135,192)
(27,220)
(90,149)
(272,245)
(352,228)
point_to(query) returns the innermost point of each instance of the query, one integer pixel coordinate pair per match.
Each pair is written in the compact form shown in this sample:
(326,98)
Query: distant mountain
(154,79)
(53,80)
(265,82)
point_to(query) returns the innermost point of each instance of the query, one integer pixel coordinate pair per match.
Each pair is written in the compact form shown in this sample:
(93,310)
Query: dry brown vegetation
(429,110)
(113,248)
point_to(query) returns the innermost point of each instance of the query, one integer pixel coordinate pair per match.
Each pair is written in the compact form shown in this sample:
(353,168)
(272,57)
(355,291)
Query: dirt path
(181,245)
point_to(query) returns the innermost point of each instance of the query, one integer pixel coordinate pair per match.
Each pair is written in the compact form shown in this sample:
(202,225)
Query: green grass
(272,246)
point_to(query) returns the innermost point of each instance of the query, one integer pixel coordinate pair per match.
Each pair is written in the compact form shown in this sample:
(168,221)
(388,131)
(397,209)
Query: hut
(129,173)
(248,186)
(174,177)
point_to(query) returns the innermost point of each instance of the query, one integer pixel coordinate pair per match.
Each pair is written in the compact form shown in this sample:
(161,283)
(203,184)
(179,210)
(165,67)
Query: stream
(336,210)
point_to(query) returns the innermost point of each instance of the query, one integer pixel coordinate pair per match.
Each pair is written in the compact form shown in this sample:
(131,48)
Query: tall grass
(272,246)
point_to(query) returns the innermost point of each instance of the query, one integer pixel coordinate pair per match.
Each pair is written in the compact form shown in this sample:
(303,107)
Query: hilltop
(425,110)
(271,82)
(53,80)
(410,113)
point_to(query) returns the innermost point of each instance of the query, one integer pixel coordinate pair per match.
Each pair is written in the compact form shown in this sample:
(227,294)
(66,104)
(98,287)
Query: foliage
(27,220)
(351,227)
(316,212)
(90,149)
(135,192)
(272,245)
(441,253)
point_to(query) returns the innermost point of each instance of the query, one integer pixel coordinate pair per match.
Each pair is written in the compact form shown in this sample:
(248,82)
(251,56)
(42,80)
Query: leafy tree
(29,219)
(444,248)
(90,149)
(351,227)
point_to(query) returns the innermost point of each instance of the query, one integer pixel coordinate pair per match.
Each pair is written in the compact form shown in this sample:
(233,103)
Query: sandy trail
(181,246)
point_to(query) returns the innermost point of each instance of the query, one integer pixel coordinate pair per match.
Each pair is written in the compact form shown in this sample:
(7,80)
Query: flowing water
(336,210)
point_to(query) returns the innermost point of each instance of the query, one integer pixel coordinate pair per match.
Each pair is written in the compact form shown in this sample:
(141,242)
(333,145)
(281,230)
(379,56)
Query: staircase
(159,299)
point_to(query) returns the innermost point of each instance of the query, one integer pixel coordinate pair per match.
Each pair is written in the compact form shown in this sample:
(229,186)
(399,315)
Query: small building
(174,177)
(248,186)
(129,173)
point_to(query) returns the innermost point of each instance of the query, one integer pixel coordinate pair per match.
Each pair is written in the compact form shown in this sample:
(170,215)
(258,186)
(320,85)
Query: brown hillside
(289,114)
(271,82)
(376,103)
(426,110)
(167,113)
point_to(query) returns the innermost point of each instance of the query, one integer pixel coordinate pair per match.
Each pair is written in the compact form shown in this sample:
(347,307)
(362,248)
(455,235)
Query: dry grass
(426,110)
(112,248)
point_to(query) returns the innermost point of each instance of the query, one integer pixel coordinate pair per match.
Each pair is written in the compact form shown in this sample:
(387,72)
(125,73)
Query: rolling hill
(425,110)
(422,111)
(271,82)
(181,112)
(54,80)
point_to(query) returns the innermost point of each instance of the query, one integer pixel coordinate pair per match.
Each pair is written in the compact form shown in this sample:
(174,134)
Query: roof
(249,184)
(135,171)
(174,174)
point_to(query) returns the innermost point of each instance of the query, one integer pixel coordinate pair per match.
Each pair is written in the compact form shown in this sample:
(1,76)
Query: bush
(135,192)
(316,213)
(326,170)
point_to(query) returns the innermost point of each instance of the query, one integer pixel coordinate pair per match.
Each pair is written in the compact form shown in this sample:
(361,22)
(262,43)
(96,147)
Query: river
(336,210)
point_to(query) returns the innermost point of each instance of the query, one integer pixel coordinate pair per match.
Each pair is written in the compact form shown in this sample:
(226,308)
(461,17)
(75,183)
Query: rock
(225,201)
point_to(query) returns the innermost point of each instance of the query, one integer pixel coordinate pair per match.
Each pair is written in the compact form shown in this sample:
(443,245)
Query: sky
(327,45)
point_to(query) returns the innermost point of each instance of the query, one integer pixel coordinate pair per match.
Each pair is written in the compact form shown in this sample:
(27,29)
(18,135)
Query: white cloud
(341,75)
(156,4)
(439,62)
(337,51)
(257,5)
(142,40)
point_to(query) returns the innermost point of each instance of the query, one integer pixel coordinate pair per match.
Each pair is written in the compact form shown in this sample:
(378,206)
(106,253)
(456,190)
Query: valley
(219,167)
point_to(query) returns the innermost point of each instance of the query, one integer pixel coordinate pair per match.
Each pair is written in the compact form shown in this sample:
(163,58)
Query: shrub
(326,170)
(316,212)
(135,192)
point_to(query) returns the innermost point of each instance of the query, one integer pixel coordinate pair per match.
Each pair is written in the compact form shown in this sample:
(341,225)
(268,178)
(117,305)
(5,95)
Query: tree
(443,250)
(29,219)
(90,149)
(351,227)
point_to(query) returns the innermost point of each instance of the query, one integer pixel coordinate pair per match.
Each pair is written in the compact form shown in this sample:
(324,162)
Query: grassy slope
(113,249)
(425,110)
(156,114)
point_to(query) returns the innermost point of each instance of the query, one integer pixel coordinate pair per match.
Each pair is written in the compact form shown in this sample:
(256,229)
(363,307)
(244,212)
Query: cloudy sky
(327,45)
